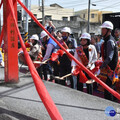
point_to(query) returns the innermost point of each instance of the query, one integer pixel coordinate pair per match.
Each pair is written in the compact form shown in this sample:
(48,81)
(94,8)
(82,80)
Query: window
(35,15)
(83,15)
(19,15)
(92,15)
(65,18)
(48,17)
(72,18)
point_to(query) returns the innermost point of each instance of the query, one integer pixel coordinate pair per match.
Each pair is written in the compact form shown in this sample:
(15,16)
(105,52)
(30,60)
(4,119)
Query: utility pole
(39,3)
(43,20)
(88,25)
(27,3)
(26,20)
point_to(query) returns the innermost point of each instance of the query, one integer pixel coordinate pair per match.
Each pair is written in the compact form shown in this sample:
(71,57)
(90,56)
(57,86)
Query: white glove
(88,66)
(73,68)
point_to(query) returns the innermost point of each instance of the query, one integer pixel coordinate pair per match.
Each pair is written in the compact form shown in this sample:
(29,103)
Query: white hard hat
(43,34)
(107,24)
(85,36)
(66,29)
(35,37)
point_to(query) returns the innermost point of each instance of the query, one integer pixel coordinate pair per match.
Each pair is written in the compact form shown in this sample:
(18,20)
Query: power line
(81,4)
(113,5)
(101,1)
(77,5)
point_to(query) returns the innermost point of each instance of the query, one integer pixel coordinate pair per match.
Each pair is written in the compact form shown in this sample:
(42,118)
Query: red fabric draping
(60,52)
(56,55)
(42,91)
(27,45)
(98,63)
(82,77)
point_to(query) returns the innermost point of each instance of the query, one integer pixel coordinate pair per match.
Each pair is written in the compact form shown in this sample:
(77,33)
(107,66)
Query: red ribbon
(56,55)
(98,63)
(42,91)
(27,45)
(82,77)
(60,52)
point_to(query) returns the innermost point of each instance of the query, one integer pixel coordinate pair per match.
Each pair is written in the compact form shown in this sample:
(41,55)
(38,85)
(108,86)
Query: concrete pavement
(21,102)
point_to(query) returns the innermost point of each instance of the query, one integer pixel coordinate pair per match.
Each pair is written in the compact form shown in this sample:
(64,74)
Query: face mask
(64,37)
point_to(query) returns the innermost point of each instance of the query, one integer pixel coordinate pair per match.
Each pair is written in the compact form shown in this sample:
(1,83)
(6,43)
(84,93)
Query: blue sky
(104,5)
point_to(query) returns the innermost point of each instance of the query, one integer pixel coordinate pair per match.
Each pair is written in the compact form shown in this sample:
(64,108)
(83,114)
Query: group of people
(88,52)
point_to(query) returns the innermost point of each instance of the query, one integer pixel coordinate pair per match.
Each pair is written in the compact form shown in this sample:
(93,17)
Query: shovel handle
(66,75)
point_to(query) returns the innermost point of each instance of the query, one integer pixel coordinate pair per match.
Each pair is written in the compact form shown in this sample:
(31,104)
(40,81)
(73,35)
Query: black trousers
(56,70)
(65,68)
(80,86)
(108,95)
(44,69)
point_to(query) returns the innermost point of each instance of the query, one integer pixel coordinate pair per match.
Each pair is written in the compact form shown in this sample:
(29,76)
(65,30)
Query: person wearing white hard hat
(50,46)
(87,55)
(71,43)
(109,55)
(106,27)
(35,49)
(65,62)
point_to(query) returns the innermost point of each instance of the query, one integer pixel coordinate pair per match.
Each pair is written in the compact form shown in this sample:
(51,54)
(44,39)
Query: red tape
(42,91)
(117,95)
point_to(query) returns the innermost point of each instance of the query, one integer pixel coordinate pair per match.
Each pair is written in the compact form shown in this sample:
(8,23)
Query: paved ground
(21,102)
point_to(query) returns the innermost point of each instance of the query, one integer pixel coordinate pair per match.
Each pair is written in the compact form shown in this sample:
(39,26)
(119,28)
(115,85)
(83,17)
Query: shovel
(39,62)
(62,78)
(90,81)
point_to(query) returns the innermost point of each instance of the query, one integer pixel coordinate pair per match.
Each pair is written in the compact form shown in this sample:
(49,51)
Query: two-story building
(95,15)
(53,12)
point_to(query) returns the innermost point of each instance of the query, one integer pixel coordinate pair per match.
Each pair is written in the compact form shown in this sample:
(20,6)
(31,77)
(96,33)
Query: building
(95,15)
(62,17)
(53,12)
